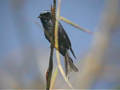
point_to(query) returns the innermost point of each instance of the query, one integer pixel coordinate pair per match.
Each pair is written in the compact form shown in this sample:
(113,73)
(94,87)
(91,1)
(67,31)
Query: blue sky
(85,13)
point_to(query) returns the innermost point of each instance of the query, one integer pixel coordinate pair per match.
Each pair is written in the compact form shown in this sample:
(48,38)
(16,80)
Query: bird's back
(63,39)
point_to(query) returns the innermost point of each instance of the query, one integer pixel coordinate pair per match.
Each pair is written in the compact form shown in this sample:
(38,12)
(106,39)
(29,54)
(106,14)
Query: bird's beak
(38,16)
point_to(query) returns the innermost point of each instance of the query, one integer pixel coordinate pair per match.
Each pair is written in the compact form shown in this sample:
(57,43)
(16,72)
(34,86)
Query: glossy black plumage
(63,39)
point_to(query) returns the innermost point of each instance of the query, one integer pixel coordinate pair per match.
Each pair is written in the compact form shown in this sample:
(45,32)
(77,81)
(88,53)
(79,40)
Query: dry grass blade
(53,78)
(50,69)
(75,25)
(53,11)
(56,45)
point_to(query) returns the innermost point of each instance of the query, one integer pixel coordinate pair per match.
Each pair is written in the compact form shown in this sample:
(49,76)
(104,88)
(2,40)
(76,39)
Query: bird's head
(46,15)
(45,18)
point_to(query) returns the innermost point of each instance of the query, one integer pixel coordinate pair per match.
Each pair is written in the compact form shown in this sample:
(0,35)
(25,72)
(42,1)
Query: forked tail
(69,65)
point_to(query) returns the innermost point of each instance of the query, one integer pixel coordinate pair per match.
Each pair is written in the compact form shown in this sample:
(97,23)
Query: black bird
(63,40)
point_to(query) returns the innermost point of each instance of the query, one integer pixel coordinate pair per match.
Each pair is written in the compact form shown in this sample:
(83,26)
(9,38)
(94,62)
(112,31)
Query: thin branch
(56,45)
(53,11)
(53,79)
(75,25)
(54,6)
(50,69)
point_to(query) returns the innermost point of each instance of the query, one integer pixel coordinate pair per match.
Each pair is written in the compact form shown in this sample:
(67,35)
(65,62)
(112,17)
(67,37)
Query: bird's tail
(72,52)
(69,65)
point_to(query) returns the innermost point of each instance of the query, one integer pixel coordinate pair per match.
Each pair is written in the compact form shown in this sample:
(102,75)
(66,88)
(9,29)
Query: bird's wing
(63,37)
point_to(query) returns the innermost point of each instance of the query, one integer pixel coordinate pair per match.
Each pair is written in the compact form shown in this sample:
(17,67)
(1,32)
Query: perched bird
(64,44)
